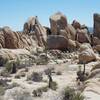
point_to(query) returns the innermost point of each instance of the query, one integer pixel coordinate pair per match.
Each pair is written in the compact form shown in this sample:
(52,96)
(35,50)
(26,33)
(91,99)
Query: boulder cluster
(61,35)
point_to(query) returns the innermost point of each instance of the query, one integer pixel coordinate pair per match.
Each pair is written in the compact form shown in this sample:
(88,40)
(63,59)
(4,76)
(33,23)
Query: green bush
(39,91)
(11,66)
(71,94)
(2,90)
(35,76)
(53,85)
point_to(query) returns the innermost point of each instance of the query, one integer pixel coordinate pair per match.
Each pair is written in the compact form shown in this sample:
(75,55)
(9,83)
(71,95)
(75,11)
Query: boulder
(13,54)
(97,25)
(57,42)
(59,26)
(71,45)
(86,54)
(97,48)
(33,36)
(57,21)
(96,41)
(72,32)
(2,39)
(34,28)
(76,24)
(82,36)
(11,38)
(69,32)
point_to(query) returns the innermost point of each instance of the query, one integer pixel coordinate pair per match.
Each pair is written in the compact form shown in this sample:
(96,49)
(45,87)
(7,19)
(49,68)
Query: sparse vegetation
(59,73)
(82,75)
(11,66)
(35,76)
(71,94)
(53,85)
(39,91)
(2,90)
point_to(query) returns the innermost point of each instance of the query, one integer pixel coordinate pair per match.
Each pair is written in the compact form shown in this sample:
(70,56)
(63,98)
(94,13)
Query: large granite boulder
(76,24)
(61,43)
(86,54)
(33,27)
(97,25)
(2,39)
(59,26)
(82,36)
(57,21)
(57,42)
(95,41)
(11,38)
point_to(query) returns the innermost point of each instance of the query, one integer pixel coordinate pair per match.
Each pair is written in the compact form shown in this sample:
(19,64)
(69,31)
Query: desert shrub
(35,76)
(42,59)
(58,73)
(53,85)
(39,91)
(17,76)
(11,66)
(3,61)
(14,84)
(2,90)
(49,71)
(71,94)
(4,73)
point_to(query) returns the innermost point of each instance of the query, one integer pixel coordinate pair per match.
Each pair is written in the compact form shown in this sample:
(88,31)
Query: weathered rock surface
(57,21)
(13,54)
(96,41)
(76,24)
(82,36)
(59,26)
(86,54)
(97,25)
(33,27)
(57,42)
(34,35)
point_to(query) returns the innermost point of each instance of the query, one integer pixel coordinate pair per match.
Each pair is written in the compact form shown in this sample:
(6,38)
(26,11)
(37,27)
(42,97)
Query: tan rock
(82,36)
(86,54)
(57,42)
(57,21)
(97,25)
(76,24)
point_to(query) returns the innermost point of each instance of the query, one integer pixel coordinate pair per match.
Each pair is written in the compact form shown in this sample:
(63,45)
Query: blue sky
(14,13)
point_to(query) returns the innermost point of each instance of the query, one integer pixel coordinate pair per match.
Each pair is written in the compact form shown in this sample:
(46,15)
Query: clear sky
(14,13)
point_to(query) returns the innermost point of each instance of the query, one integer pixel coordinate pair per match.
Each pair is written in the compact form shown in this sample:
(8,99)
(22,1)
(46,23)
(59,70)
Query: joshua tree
(82,75)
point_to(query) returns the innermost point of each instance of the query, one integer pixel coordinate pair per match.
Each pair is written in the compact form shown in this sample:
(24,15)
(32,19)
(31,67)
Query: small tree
(82,75)
(52,85)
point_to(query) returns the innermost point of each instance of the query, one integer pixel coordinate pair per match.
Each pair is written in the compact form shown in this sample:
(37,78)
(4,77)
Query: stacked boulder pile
(61,36)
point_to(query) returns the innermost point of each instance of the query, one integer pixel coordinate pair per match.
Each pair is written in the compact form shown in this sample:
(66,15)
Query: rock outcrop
(82,36)
(57,42)
(76,24)
(86,54)
(13,54)
(60,26)
(33,27)
(57,21)
(34,35)
(97,25)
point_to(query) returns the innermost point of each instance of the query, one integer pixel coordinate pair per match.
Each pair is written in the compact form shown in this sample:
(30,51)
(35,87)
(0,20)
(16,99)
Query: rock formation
(86,54)
(97,25)
(57,42)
